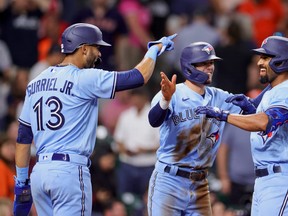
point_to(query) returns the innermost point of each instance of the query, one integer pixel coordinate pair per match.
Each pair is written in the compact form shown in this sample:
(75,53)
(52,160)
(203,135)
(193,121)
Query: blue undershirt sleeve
(129,79)
(25,135)
(157,115)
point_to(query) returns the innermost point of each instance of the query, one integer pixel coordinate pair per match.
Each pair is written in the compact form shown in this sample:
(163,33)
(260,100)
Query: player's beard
(90,61)
(267,79)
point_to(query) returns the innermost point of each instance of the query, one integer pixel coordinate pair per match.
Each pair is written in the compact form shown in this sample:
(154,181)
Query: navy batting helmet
(81,33)
(275,47)
(196,53)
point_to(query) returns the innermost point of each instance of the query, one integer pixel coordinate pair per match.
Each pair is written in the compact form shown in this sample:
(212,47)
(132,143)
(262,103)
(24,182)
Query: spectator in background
(198,29)
(54,57)
(106,16)
(5,78)
(16,95)
(51,29)
(187,8)
(115,208)
(19,23)
(267,16)
(7,167)
(232,74)
(102,169)
(114,107)
(5,207)
(138,19)
(136,143)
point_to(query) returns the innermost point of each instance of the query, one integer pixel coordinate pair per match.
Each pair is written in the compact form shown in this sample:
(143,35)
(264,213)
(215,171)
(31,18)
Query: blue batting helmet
(196,53)
(275,47)
(81,33)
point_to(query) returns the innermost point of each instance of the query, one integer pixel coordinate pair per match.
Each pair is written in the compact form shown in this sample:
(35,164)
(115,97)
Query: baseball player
(269,132)
(60,114)
(188,142)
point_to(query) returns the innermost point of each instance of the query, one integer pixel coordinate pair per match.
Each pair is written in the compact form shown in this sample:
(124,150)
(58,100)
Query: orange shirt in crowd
(265,16)
(6,181)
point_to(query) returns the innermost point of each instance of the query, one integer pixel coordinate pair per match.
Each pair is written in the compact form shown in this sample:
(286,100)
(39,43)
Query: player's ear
(84,49)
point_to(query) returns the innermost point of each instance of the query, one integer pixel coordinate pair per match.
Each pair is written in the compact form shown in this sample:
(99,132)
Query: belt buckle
(197,176)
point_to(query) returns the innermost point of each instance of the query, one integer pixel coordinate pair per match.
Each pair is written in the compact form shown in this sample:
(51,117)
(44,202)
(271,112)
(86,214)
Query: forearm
(22,155)
(147,65)
(254,122)
(158,113)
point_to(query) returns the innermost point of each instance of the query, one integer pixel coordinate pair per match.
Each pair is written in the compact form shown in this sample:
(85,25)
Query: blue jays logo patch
(207,49)
(214,137)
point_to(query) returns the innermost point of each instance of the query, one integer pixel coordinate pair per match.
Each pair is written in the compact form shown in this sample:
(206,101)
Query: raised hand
(243,102)
(167,43)
(167,87)
(213,112)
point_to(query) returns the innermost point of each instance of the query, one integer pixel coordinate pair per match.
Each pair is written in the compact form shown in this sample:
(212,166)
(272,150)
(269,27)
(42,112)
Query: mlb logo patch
(207,49)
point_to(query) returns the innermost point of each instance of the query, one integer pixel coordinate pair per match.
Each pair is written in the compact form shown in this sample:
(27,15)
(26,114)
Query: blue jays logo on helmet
(275,47)
(196,53)
(208,49)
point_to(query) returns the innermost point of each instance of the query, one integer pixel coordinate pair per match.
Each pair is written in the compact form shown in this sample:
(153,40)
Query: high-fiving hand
(213,112)
(167,87)
(243,102)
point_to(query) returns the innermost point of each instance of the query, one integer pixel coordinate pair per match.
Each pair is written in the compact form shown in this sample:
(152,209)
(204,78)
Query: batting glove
(213,112)
(167,42)
(23,198)
(243,102)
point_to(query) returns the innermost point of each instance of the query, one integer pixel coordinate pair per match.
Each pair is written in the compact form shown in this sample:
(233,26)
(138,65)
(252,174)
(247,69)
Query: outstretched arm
(159,112)
(143,71)
(254,122)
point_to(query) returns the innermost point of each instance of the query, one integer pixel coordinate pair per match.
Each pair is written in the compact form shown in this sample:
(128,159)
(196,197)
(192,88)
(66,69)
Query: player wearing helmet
(60,115)
(268,129)
(188,142)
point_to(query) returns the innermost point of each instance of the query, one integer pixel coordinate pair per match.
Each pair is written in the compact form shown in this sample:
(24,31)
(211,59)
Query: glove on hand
(167,42)
(213,112)
(23,198)
(243,102)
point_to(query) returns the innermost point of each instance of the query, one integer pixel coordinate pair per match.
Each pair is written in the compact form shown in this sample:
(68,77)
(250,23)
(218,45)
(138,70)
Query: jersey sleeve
(97,83)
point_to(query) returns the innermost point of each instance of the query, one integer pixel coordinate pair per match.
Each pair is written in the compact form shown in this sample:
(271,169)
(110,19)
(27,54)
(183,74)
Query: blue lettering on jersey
(67,87)
(48,85)
(186,115)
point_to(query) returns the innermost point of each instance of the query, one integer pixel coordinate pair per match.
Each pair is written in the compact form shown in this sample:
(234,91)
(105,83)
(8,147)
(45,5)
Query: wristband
(152,52)
(22,173)
(164,104)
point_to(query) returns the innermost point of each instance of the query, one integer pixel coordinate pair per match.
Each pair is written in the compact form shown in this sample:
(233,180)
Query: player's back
(61,106)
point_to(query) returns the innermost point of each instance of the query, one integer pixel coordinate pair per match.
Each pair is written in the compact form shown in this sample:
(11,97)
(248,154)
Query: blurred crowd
(123,160)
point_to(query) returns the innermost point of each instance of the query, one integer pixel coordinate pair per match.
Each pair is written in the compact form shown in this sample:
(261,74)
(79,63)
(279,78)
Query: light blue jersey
(271,148)
(187,139)
(61,107)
